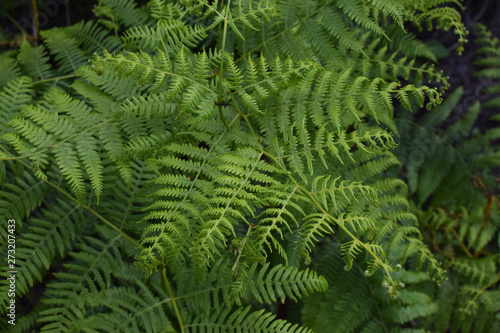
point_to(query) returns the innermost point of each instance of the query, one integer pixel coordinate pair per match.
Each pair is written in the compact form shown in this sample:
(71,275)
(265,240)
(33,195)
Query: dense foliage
(248,166)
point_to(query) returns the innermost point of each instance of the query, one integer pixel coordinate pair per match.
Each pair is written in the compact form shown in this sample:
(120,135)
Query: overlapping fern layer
(218,159)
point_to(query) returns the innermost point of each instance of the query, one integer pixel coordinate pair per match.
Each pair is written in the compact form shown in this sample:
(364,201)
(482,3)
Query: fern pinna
(220,147)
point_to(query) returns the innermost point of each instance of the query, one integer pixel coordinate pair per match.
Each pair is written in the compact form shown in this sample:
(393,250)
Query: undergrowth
(247,166)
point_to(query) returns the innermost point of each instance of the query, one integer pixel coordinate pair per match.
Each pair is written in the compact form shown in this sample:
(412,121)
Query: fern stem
(466,250)
(57,78)
(36,22)
(241,248)
(112,226)
(17,25)
(224,118)
(172,299)
(221,68)
(168,289)
(377,308)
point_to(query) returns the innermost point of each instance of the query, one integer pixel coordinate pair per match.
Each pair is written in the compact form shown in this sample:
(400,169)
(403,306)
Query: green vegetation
(248,166)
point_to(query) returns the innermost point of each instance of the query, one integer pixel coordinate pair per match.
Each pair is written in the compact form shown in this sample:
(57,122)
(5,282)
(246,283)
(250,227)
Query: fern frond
(119,88)
(358,14)
(241,320)
(88,283)
(35,61)
(8,68)
(417,305)
(362,296)
(479,271)
(490,50)
(20,198)
(63,120)
(219,209)
(65,49)
(169,34)
(447,18)
(13,98)
(49,235)
(121,12)
(93,38)
(270,285)
(315,226)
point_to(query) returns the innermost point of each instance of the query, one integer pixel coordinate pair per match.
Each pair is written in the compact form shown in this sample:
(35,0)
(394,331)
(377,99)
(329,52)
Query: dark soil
(461,69)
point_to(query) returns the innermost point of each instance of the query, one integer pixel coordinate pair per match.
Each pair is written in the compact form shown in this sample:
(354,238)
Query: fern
(488,47)
(356,303)
(257,321)
(197,166)
(8,68)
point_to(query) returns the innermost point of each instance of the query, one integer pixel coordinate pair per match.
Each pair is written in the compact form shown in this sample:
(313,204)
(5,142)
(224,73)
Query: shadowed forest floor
(461,68)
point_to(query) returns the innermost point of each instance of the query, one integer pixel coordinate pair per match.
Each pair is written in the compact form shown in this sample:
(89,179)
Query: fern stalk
(168,289)
(221,66)
(36,22)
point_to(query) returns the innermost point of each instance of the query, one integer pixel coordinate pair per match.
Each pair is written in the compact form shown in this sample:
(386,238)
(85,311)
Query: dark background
(461,69)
